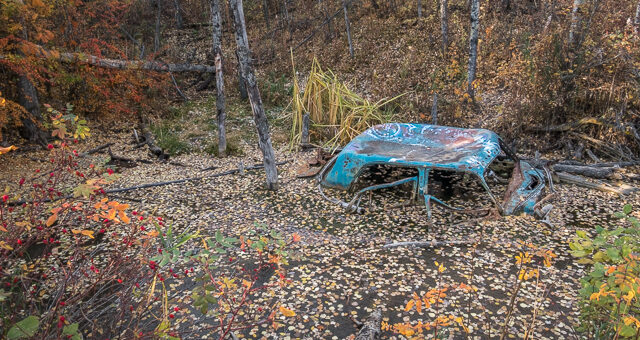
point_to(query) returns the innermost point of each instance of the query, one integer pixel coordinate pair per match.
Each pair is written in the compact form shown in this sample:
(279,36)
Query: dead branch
(596,185)
(151,185)
(118,64)
(94,150)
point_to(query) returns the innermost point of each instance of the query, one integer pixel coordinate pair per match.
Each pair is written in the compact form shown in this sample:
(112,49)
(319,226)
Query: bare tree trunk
(444,25)
(473,46)
(216,24)
(156,36)
(348,26)
(259,116)
(576,22)
(265,12)
(179,22)
(636,20)
(419,8)
(328,34)
(28,98)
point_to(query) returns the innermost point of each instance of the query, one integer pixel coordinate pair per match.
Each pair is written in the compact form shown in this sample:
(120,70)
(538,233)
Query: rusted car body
(427,148)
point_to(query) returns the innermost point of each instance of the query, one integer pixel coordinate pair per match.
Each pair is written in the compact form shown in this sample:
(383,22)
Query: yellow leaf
(87,233)
(3,245)
(52,219)
(286,312)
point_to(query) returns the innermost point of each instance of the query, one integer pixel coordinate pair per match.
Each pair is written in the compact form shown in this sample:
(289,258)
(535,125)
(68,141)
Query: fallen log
(118,64)
(596,185)
(371,329)
(588,171)
(149,141)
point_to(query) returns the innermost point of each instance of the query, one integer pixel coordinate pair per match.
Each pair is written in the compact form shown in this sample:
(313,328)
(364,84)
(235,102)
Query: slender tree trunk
(576,22)
(262,125)
(28,98)
(265,12)
(179,22)
(473,46)
(419,8)
(636,20)
(156,36)
(216,25)
(444,25)
(346,21)
(323,5)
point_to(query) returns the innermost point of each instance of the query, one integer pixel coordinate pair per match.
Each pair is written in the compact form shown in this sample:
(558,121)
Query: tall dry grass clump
(337,113)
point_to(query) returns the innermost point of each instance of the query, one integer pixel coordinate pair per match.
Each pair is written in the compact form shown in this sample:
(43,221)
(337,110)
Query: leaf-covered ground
(341,270)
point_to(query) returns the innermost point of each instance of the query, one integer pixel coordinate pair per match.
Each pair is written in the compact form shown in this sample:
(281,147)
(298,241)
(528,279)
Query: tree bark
(636,20)
(259,116)
(473,46)
(265,12)
(576,22)
(28,98)
(156,35)
(179,21)
(419,8)
(217,51)
(348,26)
(444,25)
(122,64)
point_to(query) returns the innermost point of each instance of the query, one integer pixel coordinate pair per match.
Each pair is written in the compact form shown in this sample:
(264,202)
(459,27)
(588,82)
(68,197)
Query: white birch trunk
(473,46)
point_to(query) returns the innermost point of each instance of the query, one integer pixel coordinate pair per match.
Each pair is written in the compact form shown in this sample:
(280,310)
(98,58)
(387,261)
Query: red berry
(50,146)
(171,316)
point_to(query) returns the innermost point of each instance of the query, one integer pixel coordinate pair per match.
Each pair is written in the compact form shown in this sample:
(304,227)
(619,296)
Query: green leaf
(614,254)
(627,209)
(585,261)
(70,329)
(627,331)
(619,215)
(581,233)
(219,237)
(25,328)
(599,229)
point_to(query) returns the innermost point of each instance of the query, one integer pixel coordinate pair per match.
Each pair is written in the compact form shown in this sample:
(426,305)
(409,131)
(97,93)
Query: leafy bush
(75,264)
(610,305)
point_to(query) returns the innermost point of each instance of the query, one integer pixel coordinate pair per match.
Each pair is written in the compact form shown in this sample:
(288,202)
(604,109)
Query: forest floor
(340,269)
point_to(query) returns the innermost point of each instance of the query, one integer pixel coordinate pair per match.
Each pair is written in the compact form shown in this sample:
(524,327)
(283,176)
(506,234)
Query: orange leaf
(296,237)
(286,312)
(3,229)
(52,219)
(7,149)
(409,305)
(123,217)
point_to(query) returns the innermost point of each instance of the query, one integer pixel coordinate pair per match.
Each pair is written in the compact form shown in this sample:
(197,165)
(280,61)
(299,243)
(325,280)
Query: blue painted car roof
(415,145)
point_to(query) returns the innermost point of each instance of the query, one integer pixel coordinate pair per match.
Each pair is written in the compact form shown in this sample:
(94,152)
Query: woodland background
(540,63)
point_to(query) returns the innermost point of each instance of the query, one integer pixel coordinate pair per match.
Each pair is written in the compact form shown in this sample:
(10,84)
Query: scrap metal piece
(425,148)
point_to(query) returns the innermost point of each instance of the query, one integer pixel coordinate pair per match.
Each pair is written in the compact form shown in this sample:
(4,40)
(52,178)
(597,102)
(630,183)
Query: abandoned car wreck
(428,149)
